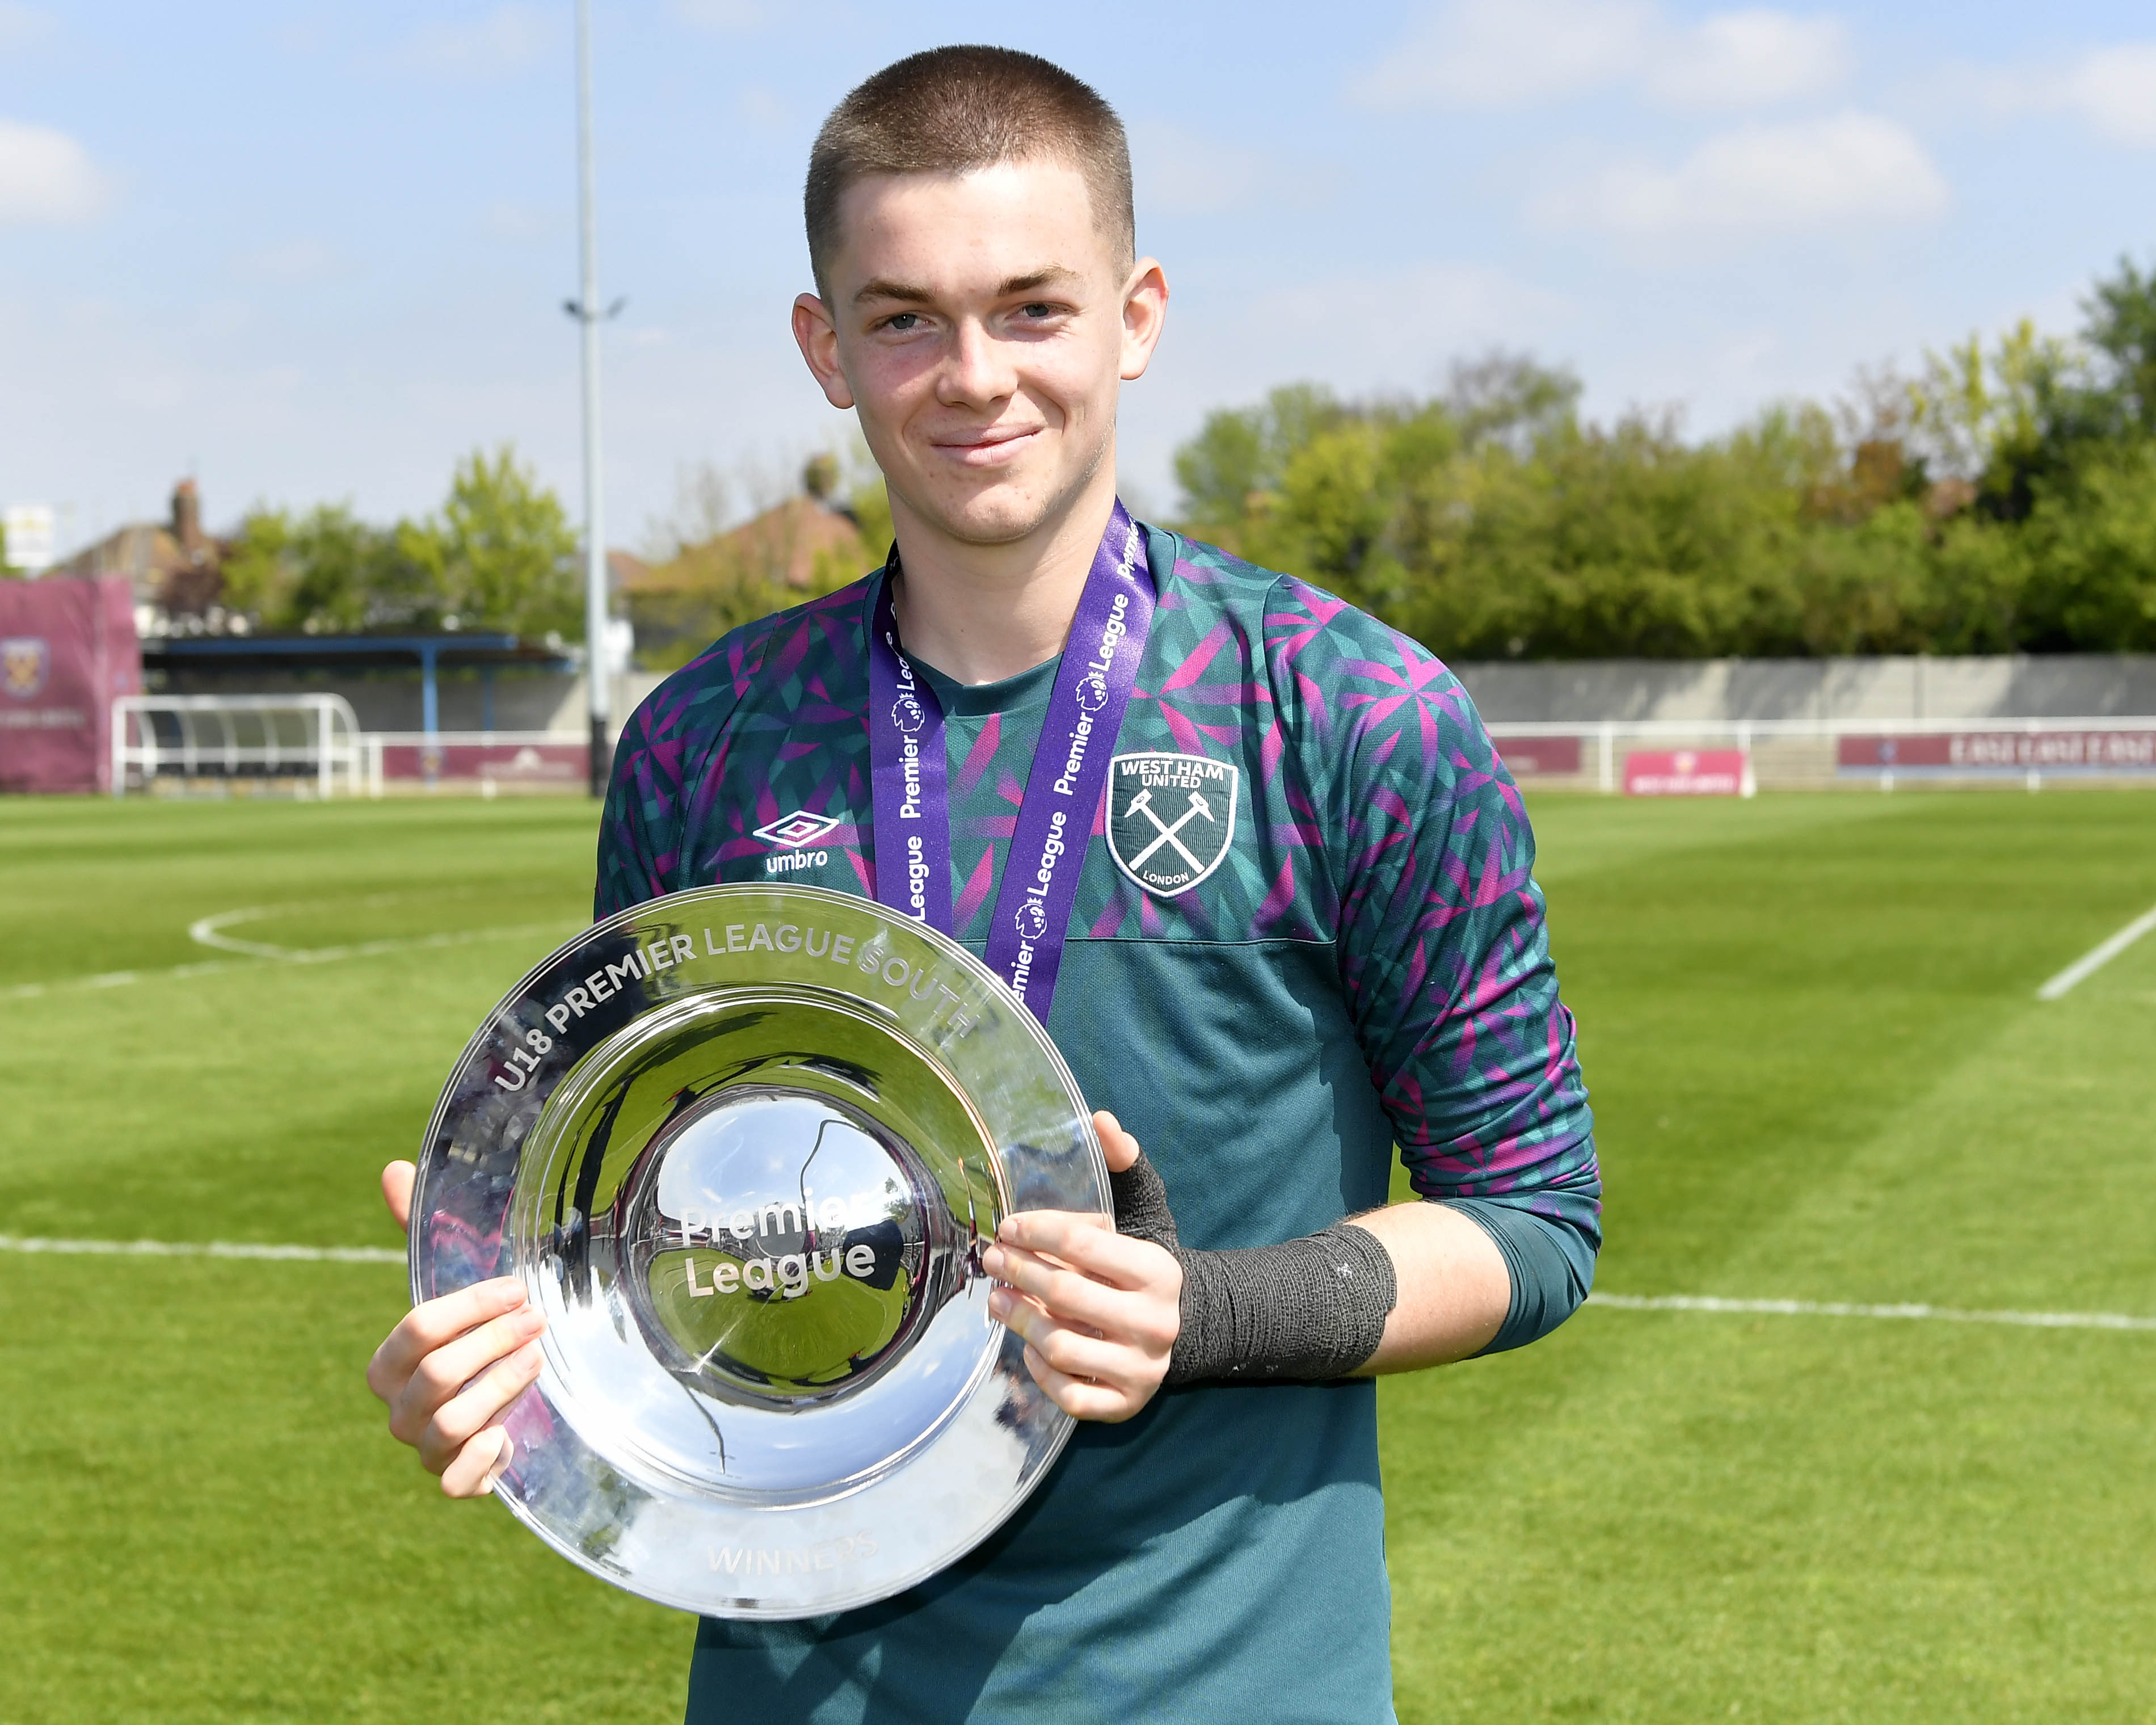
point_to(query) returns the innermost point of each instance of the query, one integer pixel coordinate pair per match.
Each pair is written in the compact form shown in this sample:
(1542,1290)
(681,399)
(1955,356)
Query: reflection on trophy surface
(778,1249)
(749,1188)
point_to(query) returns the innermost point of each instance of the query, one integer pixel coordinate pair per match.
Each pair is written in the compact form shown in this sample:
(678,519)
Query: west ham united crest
(23,663)
(1171,818)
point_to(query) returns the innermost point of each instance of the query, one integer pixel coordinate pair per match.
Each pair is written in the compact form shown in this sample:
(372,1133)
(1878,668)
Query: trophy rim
(999,1361)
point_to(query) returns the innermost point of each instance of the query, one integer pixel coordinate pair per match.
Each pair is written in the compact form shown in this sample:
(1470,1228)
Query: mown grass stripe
(1837,1308)
(203,1248)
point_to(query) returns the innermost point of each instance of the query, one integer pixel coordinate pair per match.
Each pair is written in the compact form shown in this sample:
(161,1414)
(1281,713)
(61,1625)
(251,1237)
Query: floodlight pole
(588,316)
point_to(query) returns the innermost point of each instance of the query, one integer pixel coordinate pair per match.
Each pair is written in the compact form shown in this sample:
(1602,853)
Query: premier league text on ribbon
(1039,884)
(1092,695)
(906,714)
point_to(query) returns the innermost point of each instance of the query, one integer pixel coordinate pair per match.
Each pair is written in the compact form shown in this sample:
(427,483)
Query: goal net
(311,742)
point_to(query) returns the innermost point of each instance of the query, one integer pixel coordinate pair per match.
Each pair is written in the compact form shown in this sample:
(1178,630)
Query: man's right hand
(449,1371)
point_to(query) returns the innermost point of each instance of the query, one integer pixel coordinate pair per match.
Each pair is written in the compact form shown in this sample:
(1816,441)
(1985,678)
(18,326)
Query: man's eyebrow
(912,294)
(1053,275)
(883,288)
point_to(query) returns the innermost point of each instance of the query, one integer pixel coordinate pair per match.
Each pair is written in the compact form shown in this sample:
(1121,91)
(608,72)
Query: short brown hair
(952,110)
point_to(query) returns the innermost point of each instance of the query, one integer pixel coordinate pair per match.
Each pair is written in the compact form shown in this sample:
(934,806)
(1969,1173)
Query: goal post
(307,739)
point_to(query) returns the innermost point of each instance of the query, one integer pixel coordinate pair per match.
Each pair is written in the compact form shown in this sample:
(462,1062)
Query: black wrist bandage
(1306,1310)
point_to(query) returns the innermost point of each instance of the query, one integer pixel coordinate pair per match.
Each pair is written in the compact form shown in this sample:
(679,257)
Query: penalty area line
(202,1249)
(1836,1308)
(2096,958)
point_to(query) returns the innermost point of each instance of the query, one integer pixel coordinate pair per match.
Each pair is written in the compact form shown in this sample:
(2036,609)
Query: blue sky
(318,251)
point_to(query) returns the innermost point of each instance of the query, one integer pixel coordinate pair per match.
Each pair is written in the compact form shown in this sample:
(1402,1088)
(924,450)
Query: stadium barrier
(1786,754)
(308,741)
(485,760)
(314,740)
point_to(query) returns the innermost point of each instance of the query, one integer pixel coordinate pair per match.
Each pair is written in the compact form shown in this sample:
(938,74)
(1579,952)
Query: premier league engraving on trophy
(745,1145)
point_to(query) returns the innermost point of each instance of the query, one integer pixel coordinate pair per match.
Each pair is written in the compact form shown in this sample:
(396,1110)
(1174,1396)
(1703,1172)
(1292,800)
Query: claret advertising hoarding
(1688,773)
(66,649)
(1975,752)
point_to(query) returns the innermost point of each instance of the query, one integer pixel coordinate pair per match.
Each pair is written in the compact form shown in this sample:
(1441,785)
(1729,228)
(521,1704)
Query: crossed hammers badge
(1170,818)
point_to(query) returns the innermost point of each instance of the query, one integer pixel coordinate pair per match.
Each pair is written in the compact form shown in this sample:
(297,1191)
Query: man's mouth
(990,448)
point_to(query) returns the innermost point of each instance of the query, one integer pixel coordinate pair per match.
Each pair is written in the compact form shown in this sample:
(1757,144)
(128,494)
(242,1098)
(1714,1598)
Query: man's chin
(998,514)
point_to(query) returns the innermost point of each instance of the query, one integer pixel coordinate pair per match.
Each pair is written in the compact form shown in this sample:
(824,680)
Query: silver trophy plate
(744,1146)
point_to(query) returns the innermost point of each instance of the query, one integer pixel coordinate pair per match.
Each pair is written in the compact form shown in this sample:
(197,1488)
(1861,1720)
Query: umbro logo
(800,827)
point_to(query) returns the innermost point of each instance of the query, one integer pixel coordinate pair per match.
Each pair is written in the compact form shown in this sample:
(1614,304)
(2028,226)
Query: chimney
(186,516)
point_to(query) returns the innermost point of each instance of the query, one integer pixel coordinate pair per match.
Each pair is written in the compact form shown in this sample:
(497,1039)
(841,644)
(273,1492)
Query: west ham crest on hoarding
(1171,818)
(24,662)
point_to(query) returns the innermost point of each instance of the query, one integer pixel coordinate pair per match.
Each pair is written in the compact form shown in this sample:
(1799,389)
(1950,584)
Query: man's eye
(902,322)
(1039,308)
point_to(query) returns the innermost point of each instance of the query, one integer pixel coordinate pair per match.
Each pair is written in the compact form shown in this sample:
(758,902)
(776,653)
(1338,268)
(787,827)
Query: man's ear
(1145,310)
(818,337)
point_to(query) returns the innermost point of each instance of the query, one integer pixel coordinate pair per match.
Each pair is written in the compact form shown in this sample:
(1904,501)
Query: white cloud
(1504,53)
(517,223)
(761,107)
(2112,89)
(1513,54)
(20,23)
(719,14)
(1848,168)
(1745,59)
(292,262)
(1386,329)
(1184,173)
(45,176)
(501,41)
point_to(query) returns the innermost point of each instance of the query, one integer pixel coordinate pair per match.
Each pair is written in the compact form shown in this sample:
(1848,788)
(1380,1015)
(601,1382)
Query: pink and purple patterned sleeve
(670,757)
(1443,937)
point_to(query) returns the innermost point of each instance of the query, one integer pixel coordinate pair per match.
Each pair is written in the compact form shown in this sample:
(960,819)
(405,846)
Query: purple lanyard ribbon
(911,785)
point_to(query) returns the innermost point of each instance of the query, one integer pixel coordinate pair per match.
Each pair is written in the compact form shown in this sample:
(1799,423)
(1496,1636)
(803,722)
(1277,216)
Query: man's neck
(982,613)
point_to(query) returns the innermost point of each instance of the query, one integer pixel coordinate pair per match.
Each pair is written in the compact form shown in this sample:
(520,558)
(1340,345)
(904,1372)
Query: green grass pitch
(1819,1070)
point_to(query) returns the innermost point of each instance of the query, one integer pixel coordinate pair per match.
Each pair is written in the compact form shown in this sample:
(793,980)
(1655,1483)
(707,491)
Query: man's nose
(977,371)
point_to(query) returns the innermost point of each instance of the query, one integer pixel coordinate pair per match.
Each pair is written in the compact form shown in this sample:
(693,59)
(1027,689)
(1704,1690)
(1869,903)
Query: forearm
(1391,1291)
(1453,1286)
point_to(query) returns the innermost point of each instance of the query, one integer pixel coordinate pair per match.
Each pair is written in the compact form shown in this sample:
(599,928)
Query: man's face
(981,325)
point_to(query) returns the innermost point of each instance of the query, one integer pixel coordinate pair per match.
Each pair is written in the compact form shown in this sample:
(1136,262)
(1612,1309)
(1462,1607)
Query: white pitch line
(202,1249)
(2096,958)
(1617,1302)
(1836,1308)
(314,955)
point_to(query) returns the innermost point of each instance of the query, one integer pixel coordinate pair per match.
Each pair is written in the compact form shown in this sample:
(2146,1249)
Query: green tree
(1241,453)
(501,554)
(1490,522)
(325,572)
(2090,547)
(2121,330)
(257,568)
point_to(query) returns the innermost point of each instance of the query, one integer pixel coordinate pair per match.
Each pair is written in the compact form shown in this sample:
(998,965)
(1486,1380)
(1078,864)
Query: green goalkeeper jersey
(1306,933)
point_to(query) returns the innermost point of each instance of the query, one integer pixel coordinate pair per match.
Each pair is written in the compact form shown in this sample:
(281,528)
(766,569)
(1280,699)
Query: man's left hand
(1099,1311)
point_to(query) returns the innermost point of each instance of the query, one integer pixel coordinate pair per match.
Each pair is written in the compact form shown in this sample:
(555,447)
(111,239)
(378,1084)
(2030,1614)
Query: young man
(1303,930)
